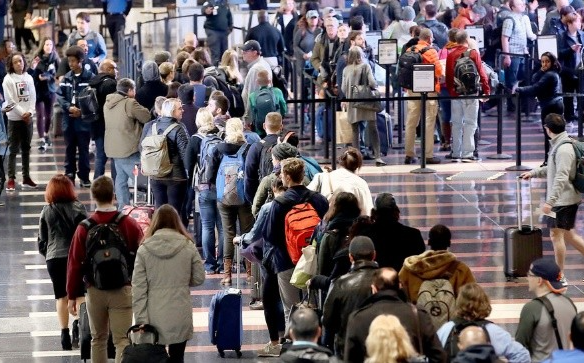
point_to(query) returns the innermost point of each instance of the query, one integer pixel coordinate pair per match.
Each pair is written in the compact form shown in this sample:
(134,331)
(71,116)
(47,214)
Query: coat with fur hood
(167,265)
(432,265)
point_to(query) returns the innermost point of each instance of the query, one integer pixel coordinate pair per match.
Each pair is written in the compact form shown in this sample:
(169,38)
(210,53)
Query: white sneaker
(564,281)
(270,350)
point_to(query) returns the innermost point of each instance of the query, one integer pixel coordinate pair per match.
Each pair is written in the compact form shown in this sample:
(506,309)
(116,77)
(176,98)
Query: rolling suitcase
(257,282)
(140,212)
(150,352)
(85,336)
(226,318)
(385,129)
(522,244)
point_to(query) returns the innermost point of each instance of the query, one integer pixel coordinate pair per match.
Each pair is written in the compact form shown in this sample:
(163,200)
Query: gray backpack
(155,159)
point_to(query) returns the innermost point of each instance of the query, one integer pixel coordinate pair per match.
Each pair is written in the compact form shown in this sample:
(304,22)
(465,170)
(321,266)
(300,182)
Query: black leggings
(177,352)
(554,107)
(273,311)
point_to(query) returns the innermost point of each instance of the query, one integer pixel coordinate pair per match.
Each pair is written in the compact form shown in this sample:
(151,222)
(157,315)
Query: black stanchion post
(334,134)
(329,113)
(499,155)
(423,169)
(518,166)
(313,146)
(167,34)
(302,105)
(139,29)
(400,121)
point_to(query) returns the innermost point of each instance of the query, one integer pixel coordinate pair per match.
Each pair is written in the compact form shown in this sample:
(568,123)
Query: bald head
(262,16)
(190,40)
(384,279)
(426,35)
(472,335)
(108,66)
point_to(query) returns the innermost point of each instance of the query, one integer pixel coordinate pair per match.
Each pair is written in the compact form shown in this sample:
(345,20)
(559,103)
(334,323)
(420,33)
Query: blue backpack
(311,167)
(208,144)
(230,178)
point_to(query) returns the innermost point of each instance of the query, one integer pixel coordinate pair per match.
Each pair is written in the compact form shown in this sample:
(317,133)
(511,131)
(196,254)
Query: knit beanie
(284,151)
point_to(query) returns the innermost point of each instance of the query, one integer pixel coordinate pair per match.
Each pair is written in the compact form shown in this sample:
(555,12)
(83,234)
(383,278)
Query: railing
(130,55)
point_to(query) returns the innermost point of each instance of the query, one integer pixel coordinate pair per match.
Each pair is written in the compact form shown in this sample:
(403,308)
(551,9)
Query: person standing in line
(167,266)
(19,104)
(562,198)
(57,224)
(116,12)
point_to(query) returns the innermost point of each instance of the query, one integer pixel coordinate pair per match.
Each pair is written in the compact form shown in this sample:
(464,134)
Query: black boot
(75,333)
(66,339)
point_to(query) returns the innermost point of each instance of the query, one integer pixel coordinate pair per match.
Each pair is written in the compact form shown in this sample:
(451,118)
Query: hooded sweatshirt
(400,30)
(433,265)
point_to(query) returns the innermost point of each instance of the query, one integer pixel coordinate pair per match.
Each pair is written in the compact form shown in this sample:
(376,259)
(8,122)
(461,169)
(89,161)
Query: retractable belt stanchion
(333,158)
(518,166)
(302,105)
(499,155)
(294,83)
(312,146)
(400,121)
(423,169)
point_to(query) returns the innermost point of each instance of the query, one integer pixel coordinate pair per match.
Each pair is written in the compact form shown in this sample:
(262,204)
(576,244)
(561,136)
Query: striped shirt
(514,29)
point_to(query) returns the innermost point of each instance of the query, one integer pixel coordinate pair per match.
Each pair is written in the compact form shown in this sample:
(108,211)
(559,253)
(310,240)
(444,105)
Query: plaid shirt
(514,28)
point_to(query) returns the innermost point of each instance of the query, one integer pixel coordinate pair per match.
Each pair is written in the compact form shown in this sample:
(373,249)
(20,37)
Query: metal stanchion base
(519,168)
(484,142)
(314,147)
(423,171)
(398,146)
(499,157)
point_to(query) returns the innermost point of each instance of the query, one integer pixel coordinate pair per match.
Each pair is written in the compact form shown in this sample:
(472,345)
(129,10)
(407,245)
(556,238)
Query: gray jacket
(54,233)
(167,265)
(560,172)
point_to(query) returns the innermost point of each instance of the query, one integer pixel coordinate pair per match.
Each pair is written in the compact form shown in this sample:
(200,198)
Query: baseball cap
(312,14)
(328,11)
(251,45)
(548,269)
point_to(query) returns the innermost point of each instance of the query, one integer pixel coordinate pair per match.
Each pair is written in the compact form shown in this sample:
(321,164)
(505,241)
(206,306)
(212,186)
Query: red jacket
(463,19)
(451,61)
(128,227)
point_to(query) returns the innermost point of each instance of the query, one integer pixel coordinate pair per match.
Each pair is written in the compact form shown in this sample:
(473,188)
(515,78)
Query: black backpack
(405,74)
(236,106)
(451,346)
(466,75)
(87,102)
(266,166)
(108,265)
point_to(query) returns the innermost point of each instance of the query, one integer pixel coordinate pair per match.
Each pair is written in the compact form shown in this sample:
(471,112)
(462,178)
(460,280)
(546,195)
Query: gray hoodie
(560,172)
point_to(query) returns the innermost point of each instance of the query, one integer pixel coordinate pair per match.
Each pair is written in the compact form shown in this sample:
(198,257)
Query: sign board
(478,33)
(387,50)
(423,78)
(372,38)
(541,15)
(547,43)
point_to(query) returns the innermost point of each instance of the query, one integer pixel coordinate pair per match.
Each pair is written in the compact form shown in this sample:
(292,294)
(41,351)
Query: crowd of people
(240,176)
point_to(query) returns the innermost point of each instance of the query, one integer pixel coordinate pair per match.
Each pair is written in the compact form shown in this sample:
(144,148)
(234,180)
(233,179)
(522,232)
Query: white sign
(387,49)
(478,33)
(372,38)
(547,43)
(423,78)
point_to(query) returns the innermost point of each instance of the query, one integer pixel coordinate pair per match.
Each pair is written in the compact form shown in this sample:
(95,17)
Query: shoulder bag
(362,91)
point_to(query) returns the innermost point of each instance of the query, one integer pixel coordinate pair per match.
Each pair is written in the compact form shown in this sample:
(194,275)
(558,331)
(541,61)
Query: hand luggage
(225,317)
(144,352)
(522,244)
(140,212)
(257,283)
(385,129)
(85,336)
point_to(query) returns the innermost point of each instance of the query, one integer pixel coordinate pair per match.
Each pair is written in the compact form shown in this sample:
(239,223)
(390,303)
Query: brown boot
(227,264)
(248,271)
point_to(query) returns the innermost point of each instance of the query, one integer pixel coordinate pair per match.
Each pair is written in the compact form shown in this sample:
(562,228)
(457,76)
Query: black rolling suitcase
(522,244)
(144,352)
(257,282)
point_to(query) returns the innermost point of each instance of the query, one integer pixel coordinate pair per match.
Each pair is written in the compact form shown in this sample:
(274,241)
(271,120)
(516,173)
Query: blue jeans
(514,72)
(210,219)
(101,159)
(445,107)
(125,171)
(171,192)
(464,124)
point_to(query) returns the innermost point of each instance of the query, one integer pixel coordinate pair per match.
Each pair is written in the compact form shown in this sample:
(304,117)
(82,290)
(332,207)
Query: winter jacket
(505,345)
(333,241)
(252,166)
(400,30)
(57,225)
(394,242)
(19,90)
(281,27)
(479,353)
(345,296)
(439,31)
(463,19)
(320,59)
(270,39)
(47,66)
(546,86)
(264,192)
(146,95)
(566,55)
(167,266)
(352,76)
(303,353)
(341,266)
(432,265)
(70,86)
(451,59)
(124,120)
(273,234)
(342,180)
(560,172)
(177,141)
(391,302)
(128,228)
(104,84)
(95,43)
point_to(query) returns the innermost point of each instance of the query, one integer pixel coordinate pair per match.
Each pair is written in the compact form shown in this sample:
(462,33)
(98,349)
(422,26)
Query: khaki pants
(412,120)
(108,310)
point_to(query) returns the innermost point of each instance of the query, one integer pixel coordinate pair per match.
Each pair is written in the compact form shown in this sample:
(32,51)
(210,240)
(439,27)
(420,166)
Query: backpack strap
(287,136)
(169,129)
(555,150)
(550,309)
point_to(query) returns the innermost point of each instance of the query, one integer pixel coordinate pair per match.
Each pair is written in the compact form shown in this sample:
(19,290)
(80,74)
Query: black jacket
(146,95)
(304,353)
(390,302)
(48,66)
(88,64)
(566,56)
(546,86)
(177,146)
(346,295)
(270,39)
(288,38)
(252,166)
(368,13)
(223,21)
(68,87)
(394,242)
(104,85)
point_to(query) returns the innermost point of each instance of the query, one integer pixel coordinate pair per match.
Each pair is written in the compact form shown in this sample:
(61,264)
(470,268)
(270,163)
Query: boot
(248,271)
(66,339)
(75,334)
(227,265)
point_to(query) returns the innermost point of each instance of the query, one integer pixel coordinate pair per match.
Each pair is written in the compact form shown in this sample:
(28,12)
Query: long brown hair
(167,217)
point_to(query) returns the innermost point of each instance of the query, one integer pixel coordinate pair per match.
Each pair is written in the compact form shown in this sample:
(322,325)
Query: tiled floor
(477,212)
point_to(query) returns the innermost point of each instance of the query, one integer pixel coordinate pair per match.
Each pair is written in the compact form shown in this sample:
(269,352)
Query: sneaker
(410,160)
(71,177)
(11,185)
(48,142)
(27,183)
(85,184)
(256,305)
(455,160)
(471,159)
(563,280)
(270,350)
(42,146)
(433,160)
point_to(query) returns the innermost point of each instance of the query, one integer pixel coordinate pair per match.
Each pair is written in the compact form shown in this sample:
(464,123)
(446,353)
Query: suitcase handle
(136,172)
(519,200)
(143,328)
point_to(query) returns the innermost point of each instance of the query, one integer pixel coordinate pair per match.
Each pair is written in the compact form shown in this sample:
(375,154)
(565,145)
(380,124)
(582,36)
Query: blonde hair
(388,341)
(234,131)
(204,120)
(166,69)
(230,64)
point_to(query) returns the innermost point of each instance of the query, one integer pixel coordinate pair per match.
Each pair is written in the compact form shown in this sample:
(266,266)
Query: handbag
(362,90)
(305,268)
(306,303)
(344,134)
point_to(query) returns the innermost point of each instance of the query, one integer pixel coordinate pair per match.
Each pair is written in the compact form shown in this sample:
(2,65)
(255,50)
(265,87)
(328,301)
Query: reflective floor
(477,211)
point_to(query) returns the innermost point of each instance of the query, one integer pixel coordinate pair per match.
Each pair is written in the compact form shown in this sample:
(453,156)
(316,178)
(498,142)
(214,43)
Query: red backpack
(299,224)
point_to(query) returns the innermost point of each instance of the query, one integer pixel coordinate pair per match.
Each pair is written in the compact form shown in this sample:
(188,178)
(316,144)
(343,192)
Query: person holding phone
(570,56)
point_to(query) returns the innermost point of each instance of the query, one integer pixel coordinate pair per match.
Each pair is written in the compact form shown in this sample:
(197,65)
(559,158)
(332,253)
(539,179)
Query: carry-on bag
(150,352)
(257,282)
(140,212)
(85,336)
(226,318)
(522,244)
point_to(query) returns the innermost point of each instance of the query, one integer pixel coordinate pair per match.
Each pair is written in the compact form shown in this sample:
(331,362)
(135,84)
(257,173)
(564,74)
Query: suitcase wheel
(221,353)
(238,352)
